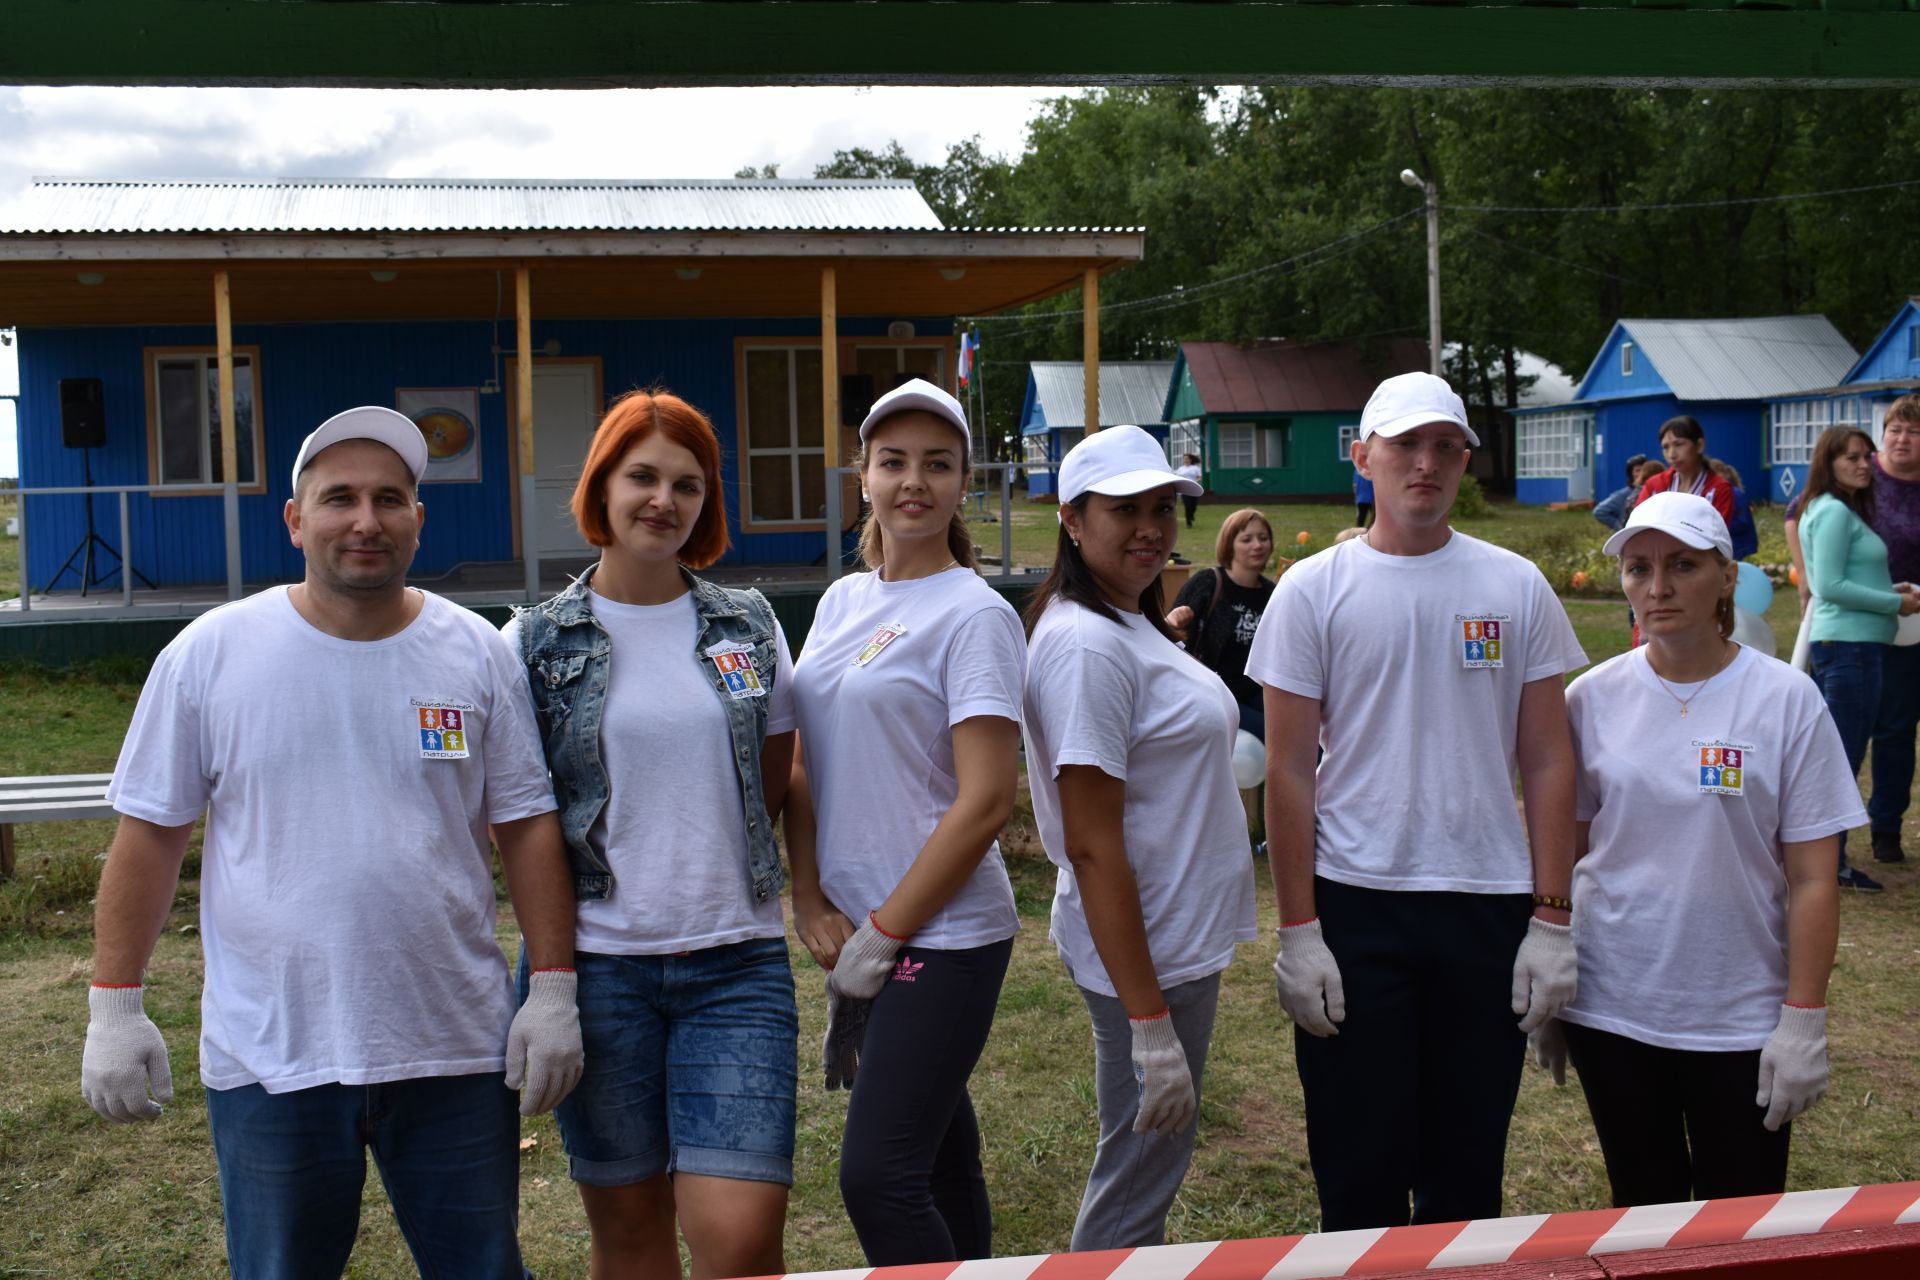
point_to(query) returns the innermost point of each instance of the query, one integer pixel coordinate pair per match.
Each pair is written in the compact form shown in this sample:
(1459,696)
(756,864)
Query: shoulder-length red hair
(631,419)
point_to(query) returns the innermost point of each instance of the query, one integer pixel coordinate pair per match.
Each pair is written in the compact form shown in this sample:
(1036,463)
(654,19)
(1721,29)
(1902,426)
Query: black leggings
(1193,508)
(910,1161)
(1677,1124)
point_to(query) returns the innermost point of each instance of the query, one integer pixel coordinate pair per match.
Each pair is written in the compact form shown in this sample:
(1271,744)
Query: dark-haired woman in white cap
(1712,787)
(908,693)
(1130,759)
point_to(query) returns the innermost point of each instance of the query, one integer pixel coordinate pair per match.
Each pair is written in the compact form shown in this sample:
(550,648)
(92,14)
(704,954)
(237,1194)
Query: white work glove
(846,1033)
(1546,972)
(865,961)
(1309,980)
(1160,1068)
(124,1054)
(543,1044)
(1793,1065)
(1547,1043)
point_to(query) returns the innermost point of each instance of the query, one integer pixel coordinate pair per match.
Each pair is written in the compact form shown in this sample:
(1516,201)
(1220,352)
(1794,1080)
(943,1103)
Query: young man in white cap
(350,741)
(1423,931)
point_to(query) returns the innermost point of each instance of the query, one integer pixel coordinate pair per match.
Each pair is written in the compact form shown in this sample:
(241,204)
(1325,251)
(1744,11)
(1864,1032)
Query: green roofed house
(1278,418)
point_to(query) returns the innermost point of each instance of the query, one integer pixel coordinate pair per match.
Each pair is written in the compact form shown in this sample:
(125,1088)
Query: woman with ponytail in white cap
(908,692)
(1130,760)
(1711,790)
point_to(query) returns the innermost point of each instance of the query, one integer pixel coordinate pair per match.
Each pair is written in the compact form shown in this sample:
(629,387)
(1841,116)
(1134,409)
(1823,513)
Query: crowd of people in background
(1662,912)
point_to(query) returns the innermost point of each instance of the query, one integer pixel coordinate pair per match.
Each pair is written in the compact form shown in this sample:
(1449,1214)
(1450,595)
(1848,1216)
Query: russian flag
(969,347)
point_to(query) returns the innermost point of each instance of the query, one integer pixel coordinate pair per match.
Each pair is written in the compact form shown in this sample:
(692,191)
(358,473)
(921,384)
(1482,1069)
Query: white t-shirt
(346,883)
(888,669)
(1123,698)
(1680,905)
(1418,663)
(1188,471)
(671,831)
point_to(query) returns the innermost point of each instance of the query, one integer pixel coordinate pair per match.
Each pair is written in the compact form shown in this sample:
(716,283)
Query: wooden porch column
(1090,343)
(229,431)
(523,412)
(830,368)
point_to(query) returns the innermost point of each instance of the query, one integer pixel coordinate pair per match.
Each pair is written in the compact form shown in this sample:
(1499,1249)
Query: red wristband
(873,918)
(119,986)
(1791,1005)
(1152,1017)
(1294,924)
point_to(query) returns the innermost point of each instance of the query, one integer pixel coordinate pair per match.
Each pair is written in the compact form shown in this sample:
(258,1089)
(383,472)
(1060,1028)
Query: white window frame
(1913,342)
(1792,427)
(795,448)
(1626,359)
(1254,442)
(1347,434)
(1033,452)
(1550,446)
(206,362)
(1188,436)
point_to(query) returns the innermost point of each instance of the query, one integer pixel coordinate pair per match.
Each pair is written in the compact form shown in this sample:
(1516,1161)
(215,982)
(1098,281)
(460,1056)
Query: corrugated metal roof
(1132,392)
(319,205)
(1320,377)
(1743,359)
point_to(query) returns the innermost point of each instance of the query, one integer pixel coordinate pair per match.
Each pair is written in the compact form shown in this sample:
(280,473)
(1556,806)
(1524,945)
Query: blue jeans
(292,1166)
(692,1064)
(1848,673)
(1893,734)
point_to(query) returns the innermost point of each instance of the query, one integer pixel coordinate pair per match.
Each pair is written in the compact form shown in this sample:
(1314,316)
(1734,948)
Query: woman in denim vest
(909,699)
(666,708)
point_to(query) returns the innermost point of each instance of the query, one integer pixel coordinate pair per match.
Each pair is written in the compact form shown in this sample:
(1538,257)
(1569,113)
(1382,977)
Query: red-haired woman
(667,713)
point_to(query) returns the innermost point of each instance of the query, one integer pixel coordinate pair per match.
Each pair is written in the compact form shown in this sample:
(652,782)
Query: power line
(1689,204)
(1541,253)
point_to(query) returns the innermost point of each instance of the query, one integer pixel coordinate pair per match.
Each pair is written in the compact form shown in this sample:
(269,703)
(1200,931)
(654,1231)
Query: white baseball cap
(917,394)
(1118,461)
(369,422)
(1687,516)
(1409,400)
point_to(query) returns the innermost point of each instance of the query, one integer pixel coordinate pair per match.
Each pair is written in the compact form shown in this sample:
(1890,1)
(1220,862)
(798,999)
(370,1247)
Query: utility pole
(1414,180)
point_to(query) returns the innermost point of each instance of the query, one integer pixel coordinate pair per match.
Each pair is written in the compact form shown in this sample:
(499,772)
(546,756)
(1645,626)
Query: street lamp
(1412,179)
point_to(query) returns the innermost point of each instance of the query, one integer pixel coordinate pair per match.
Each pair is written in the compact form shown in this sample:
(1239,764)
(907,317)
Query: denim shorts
(691,1065)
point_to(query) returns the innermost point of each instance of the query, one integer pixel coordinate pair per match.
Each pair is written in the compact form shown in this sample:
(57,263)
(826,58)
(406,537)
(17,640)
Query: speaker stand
(90,573)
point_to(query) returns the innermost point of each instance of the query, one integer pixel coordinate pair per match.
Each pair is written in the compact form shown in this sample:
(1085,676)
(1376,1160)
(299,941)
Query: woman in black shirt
(1218,609)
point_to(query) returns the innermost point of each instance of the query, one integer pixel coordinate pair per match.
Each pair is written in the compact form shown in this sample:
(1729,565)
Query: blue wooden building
(1053,417)
(775,306)
(1722,372)
(1889,369)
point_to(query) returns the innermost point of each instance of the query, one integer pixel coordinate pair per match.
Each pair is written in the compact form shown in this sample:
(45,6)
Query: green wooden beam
(644,43)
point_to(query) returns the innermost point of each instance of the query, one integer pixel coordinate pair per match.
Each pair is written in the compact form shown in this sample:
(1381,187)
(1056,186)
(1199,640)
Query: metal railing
(1000,473)
(229,493)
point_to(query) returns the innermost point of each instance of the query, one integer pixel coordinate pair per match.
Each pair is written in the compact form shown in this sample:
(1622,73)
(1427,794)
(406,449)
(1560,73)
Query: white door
(564,416)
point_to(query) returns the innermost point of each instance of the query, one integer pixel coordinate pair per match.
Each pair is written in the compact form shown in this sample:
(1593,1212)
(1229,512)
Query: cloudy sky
(320,133)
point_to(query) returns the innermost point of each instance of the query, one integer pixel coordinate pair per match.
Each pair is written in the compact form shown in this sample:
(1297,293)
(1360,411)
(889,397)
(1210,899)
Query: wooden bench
(51,798)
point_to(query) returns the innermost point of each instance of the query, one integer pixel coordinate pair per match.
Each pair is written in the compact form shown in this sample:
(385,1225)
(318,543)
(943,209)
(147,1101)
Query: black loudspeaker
(83,414)
(856,397)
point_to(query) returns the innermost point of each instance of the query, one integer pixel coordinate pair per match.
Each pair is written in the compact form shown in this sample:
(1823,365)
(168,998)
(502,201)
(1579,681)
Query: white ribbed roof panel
(1132,393)
(62,206)
(1744,359)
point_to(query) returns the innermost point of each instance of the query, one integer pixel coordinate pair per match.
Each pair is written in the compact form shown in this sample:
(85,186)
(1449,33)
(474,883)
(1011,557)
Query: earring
(1075,541)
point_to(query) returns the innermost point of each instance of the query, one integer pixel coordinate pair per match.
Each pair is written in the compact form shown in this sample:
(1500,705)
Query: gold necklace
(951,564)
(1726,660)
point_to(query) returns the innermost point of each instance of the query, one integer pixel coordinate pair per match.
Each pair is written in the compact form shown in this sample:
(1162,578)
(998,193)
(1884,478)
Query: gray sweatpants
(1136,1175)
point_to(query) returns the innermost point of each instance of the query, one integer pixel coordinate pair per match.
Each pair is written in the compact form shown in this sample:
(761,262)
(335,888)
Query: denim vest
(567,656)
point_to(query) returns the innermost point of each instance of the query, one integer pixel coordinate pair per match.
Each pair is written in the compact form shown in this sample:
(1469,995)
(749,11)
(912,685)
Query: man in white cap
(1423,931)
(350,741)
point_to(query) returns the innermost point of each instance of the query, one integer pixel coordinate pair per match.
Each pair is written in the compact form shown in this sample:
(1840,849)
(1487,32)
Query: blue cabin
(1889,369)
(774,306)
(1721,372)
(1053,417)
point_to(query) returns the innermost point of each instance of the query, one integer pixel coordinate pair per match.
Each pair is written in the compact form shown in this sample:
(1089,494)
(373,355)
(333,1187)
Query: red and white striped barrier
(1534,1238)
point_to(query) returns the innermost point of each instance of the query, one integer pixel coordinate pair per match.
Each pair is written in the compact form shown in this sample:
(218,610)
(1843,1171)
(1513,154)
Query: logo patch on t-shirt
(1482,639)
(882,637)
(443,729)
(734,662)
(1723,768)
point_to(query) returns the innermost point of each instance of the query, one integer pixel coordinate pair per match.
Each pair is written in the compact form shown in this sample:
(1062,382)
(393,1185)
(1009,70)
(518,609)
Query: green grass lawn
(79,1197)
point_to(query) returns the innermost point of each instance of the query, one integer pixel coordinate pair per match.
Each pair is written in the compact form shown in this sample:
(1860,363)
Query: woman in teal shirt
(1856,605)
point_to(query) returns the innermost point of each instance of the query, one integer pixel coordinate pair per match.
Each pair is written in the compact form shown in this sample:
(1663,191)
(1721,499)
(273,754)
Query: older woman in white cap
(908,692)
(1712,787)
(1129,756)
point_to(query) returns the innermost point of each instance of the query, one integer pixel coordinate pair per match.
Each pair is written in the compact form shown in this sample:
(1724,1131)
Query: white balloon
(1909,630)
(1751,630)
(1249,761)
